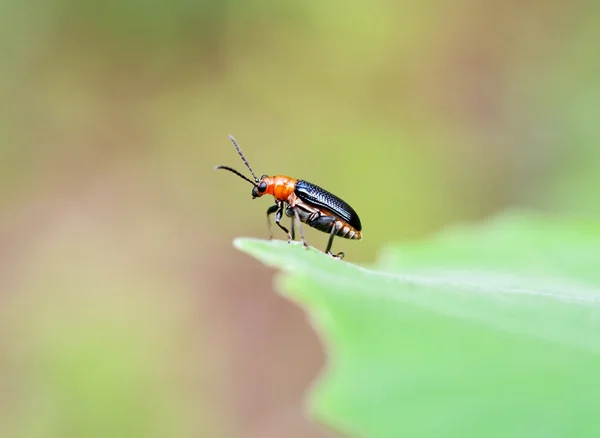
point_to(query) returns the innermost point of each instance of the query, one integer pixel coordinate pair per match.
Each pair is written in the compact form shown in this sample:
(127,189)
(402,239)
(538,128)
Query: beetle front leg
(272,209)
(278,215)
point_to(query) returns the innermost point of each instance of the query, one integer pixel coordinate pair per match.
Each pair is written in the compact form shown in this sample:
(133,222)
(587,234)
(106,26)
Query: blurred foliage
(481,331)
(114,114)
(97,342)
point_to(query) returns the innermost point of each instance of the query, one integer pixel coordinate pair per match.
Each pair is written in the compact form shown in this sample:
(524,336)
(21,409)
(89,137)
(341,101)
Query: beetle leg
(314,216)
(272,209)
(326,224)
(339,255)
(278,215)
(300,228)
(330,241)
(292,228)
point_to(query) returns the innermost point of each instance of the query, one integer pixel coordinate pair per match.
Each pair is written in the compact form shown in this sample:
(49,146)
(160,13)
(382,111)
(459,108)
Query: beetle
(303,202)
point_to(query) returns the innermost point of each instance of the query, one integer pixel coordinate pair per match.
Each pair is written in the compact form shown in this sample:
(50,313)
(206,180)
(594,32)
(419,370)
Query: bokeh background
(124,309)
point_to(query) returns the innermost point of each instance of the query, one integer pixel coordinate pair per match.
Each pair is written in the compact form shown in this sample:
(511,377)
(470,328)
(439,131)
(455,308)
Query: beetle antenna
(243,158)
(237,173)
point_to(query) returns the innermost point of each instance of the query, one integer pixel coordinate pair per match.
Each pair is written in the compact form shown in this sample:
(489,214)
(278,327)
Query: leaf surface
(480,331)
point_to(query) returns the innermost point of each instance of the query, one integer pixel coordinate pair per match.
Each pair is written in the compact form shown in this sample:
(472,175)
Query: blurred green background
(125,311)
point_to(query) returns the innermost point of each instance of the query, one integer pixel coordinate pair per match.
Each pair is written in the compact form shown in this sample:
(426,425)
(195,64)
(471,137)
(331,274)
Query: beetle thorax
(281,187)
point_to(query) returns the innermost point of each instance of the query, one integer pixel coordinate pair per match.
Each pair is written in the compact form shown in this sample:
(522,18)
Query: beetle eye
(262,186)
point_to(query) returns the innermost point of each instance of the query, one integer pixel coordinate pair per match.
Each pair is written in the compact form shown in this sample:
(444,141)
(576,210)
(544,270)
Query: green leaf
(481,331)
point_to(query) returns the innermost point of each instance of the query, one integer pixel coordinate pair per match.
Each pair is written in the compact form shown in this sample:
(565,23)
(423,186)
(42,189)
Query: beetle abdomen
(324,222)
(346,230)
(319,197)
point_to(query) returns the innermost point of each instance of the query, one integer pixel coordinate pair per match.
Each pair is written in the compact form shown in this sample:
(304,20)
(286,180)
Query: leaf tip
(242,243)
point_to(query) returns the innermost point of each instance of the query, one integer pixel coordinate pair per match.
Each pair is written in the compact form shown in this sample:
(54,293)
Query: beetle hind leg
(339,255)
(326,224)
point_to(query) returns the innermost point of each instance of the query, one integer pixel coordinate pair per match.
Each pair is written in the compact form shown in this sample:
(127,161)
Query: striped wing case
(319,197)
